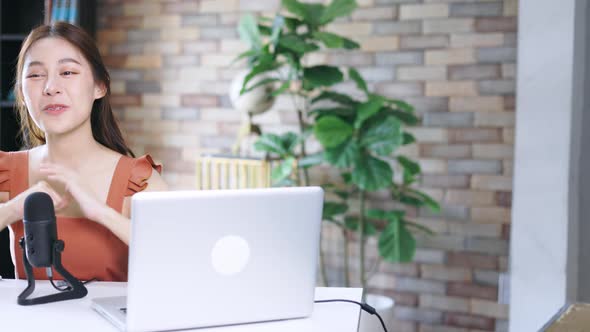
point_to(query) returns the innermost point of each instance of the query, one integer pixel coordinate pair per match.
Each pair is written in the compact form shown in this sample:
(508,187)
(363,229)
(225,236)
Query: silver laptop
(219,257)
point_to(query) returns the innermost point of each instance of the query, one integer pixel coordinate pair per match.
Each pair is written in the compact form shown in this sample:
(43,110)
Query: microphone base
(77,291)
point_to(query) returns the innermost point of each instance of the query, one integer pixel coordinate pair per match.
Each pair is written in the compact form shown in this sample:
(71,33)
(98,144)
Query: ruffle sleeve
(5,171)
(140,173)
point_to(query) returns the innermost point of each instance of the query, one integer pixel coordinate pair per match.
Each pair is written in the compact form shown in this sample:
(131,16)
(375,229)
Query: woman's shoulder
(12,167)
(143,177)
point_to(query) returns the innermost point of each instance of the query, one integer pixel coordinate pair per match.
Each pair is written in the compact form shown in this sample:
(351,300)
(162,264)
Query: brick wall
(453,59)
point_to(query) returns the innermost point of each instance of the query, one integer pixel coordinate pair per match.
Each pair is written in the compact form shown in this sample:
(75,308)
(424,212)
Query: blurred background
(495,241)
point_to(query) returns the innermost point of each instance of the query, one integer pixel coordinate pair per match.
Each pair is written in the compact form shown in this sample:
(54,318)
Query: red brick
(504,198)
(496,24)
(199,100)
(470,321)
(472,135)
(179,166)
(509,102)
(181,7)
(169,152)
(506,231)
(472,260)
(126,22)
(132,126)
(125,100)
(115,61)
(472,290)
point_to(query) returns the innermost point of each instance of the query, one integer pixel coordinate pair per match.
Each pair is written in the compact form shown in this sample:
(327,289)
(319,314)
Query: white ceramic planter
(384,306)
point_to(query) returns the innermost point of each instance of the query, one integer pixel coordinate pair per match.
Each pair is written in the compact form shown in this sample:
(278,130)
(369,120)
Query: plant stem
(362,238)
(303,153)
(346,259)
(374,269)
(323,266)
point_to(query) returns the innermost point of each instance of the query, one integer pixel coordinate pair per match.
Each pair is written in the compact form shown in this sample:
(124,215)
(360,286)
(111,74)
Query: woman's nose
(51,87)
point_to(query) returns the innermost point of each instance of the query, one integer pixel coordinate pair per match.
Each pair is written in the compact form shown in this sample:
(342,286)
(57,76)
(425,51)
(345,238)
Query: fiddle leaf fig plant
(359,137)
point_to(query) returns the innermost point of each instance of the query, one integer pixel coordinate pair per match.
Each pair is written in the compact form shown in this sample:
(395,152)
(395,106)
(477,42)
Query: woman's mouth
(55,109)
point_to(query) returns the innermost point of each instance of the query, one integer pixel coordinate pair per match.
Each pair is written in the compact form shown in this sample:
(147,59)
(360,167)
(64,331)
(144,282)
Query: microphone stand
(78,290)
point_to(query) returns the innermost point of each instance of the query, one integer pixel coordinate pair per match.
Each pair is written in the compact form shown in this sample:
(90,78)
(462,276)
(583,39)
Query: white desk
(76,315)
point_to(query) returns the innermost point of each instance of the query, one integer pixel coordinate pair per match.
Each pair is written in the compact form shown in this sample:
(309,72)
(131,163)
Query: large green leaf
(297,44)
(382,136)
(372,174)
(417,198)
(343,194)
(408,164)
(264,30)
(311,160)
(292,23)
(310,13)
(332,131)
(408,139)
(266,63)
(289,141)
(342,112)
(402,105)
(332,40)
(336,9)
(248,30)
(335,97)
(411,169)
(358,79)
(283,170)
(368,109)
(352,223)
(322,75)
(270,143)
(405,117)
(344,155)
(396,243)
(419,227)
(389,216)
(277,28)
(247,54)
(284,87)
(332,209)
(262,82)
(426,199)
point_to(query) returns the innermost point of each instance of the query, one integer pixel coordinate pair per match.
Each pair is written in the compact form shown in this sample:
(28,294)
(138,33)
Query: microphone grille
(38,206)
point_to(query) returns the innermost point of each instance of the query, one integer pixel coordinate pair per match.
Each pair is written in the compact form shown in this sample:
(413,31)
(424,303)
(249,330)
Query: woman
(76,154)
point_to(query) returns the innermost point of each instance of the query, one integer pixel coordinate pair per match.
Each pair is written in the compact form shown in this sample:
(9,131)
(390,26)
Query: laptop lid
(221,257)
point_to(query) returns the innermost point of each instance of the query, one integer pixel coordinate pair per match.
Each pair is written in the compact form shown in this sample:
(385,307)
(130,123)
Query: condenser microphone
(40,229)
(41,248)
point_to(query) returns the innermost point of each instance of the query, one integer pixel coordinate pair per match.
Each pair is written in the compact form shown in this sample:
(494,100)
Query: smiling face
(58,86)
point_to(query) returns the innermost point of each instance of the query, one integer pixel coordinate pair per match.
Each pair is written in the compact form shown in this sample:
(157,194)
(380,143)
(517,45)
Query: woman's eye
(33,75)
(68,73)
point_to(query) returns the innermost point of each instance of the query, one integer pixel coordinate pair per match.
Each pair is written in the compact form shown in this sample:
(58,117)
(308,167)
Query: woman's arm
(13,210)
(7,216)
(120,224)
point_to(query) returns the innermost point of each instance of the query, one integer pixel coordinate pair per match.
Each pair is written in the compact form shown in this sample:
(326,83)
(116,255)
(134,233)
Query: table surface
(77,315)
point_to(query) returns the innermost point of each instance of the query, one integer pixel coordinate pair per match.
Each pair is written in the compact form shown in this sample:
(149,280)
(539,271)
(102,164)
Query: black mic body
(40,229)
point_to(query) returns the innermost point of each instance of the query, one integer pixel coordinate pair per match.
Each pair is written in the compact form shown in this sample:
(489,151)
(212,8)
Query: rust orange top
(91,250)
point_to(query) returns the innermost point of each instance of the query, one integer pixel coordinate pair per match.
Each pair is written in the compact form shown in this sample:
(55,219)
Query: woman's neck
(73,149)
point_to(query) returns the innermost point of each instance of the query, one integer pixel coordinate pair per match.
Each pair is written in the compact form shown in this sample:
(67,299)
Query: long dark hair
(104,126)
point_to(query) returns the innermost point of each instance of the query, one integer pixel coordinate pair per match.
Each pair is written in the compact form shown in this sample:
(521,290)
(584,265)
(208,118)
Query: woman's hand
(16,205)
(90,206)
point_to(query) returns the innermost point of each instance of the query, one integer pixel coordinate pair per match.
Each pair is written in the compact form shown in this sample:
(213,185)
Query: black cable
(67,288)
(364,306)
(89,281)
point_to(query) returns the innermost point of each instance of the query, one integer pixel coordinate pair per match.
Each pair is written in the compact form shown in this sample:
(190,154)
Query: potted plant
(359,136)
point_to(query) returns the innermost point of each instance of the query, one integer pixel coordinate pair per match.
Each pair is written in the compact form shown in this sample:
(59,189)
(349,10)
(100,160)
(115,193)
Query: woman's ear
(100,90)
